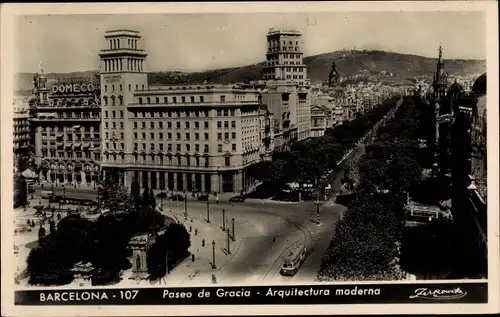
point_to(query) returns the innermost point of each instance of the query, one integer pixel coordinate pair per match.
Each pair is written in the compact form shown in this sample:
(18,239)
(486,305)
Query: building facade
(185,138)
(287,89)
(320,120)
(21,129)
(65,129)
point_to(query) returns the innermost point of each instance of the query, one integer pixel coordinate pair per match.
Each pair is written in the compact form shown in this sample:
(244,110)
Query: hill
(388,67)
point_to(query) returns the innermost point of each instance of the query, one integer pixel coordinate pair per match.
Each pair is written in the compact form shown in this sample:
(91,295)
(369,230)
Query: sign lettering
(72,88)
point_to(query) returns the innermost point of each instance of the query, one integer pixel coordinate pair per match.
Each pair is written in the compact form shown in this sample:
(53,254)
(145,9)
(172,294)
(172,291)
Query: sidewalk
(200,271)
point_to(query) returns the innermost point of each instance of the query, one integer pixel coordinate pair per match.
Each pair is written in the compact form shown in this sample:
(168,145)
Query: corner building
(287,86)
(65,120)
(191,138)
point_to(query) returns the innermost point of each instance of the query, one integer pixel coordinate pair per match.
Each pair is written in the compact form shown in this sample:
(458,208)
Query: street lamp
(228,241)
(213,254)
(185,205)
(317,209)
(232,221)
(223,220)
(208,211)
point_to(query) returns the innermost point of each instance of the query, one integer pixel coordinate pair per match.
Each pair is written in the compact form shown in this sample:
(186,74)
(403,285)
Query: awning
(69,144)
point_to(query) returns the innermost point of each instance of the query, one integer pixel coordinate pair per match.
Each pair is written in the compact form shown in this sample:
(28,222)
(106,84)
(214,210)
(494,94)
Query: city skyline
(175,43)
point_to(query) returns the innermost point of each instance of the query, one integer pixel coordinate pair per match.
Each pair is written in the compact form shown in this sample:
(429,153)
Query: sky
(197,42)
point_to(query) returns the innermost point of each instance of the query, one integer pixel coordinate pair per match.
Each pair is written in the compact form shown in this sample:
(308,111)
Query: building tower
(440,82)
(123,71)
(284,57)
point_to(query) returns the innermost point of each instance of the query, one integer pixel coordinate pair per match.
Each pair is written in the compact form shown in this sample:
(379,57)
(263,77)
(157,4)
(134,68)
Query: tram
(293,260)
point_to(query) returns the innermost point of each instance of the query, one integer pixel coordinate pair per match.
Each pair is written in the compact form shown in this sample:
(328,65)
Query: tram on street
(293,260)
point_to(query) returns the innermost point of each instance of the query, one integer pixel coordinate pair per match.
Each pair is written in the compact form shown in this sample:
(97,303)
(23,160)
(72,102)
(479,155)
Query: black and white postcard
(249,158)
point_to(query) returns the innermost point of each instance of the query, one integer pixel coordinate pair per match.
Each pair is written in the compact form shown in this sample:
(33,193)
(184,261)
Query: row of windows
(169,160)
(170,114)
(187,136)
(86,128)
(106,125)
(183,99)
(71,154)
(187,125)
(121,87)
(178,147)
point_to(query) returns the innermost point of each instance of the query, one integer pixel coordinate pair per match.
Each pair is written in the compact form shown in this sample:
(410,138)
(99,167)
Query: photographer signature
(436,293)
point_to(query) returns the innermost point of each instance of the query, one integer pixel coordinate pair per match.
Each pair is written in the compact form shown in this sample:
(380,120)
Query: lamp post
(185,205)
(317,209)
(208,211)
(223,220)
(213,254)
(232,221)
(228,241)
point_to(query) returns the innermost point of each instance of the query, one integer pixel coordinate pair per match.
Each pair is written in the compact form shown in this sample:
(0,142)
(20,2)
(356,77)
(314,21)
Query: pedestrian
(217,199)
(274,239)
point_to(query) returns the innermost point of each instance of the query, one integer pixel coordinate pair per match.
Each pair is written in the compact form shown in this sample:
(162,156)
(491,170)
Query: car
(203,197)
(177,197)
(237,199)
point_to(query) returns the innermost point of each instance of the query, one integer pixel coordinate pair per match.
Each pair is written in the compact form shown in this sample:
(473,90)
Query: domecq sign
(72,88)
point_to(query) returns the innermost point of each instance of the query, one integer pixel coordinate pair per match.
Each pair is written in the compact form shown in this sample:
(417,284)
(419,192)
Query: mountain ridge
(352,65)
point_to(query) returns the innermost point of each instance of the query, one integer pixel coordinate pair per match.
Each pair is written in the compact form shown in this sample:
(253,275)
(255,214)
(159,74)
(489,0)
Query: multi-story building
(65,121)
(21,131)
(320,120)
(287,90)
(180,138)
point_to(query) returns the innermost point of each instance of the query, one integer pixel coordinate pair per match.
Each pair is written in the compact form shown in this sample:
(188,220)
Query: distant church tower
(123,71)
(440,82)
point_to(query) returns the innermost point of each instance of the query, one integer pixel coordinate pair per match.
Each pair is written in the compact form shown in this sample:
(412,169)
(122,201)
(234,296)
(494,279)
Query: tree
(170,247)
(152,200)
(145,197)
(113,196)
(135,190)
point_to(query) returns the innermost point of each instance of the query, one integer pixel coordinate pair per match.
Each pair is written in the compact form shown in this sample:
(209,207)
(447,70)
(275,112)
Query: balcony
(59,119)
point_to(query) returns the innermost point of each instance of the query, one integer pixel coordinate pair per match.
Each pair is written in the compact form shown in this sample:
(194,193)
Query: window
(205,148)
(187,125)
(105,125)
(197,147)
(233,147)
(152,147)
(178,136)
(196,125)
(219,112)
(233,135)
(152,125)
(121,87)
(219,124)
(144,146)
(187,136)
(149,100)
(226,112)
(226,124)
(178,124)
(219,136)
(219,148)
(143,124)
(206,124)
(152,136)
(188,147)
(169,136)
(222,99)
(226,136)
(174,99)
(169,125)
(161,146)
(140,100)
(169,146)
(228,160)
(135,135)
(196,136)
(143,136)
(165,100)
(157,99)
(183,99)
(192,99)
(202,99)
(206,136)
(122,135)
(105,114)
(160,124)
(233,124)
(121,114)
(160,136)
(105,87)
(121,125)
(113,114)
(178,147)
(232,113)
(129,87)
